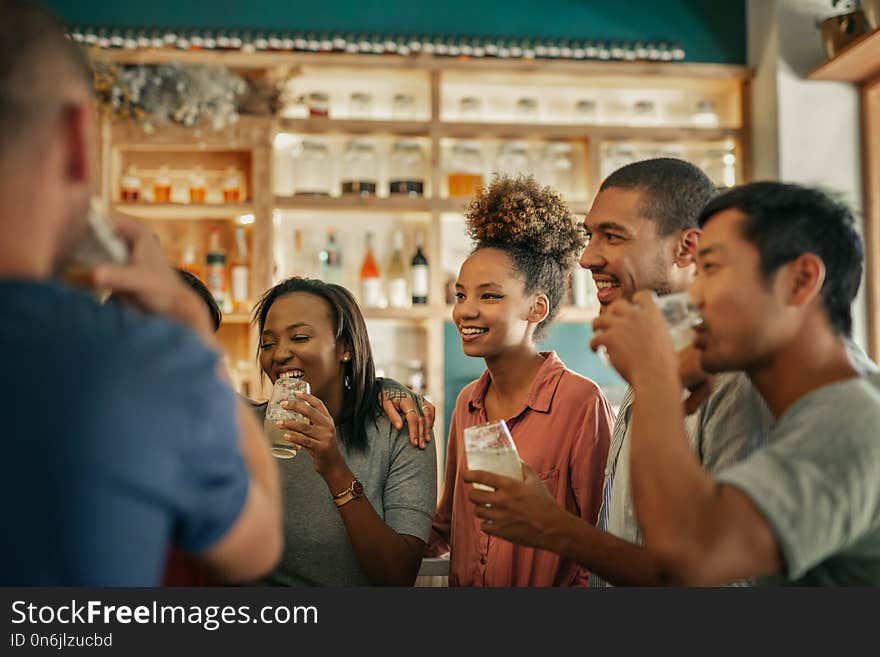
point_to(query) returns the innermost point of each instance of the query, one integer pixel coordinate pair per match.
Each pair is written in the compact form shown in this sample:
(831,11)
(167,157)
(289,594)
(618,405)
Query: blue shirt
(117,439)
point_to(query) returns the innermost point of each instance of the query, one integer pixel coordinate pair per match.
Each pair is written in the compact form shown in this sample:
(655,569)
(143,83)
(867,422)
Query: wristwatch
(354,491)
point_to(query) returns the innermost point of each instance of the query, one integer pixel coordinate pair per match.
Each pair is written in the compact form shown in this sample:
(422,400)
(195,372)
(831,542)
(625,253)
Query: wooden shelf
(355,127)
(412,314)
(236,318)
(859,62)
(563,132)
(567,315)
(355,203)
(268,60)
(184,210)
(388,204)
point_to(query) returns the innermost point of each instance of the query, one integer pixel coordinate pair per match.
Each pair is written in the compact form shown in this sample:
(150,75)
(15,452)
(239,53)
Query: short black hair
(36,57)
(674,191)
(202,290)
(784,221)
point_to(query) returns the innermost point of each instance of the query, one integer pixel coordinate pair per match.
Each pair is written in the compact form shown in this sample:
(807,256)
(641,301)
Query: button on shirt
(562,431)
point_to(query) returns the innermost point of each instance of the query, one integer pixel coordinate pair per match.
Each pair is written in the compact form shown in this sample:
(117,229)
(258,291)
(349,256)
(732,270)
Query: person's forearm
(256,454)
(388,558)
(617,561)
(669,486)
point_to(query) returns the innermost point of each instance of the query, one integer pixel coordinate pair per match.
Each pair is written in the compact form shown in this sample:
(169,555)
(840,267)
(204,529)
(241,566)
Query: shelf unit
(859,63)
(439,77)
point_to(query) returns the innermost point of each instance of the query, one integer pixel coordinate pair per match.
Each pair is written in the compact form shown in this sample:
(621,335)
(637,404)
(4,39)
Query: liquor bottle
(299,261)
(188,261)
(331,260)
(397,292)
(371,282)
(215,261)
(241,272)
(419,274)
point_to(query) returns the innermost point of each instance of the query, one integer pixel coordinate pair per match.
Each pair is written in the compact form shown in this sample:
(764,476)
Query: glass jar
(197,186)
(470,108)
(130,186)
(318,104)
(162,186)
(616,156)
(407,169)
(360,105)
(313,169)
(526,109)
(513,160)
(705,114)
(585,111)
(403,107)
(645,113)
(557,168)
(232,187)
(359,167)
(465,171)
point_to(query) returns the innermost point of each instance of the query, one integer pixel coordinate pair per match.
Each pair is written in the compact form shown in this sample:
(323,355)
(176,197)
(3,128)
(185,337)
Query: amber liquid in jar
(231,194)
(464,184)
(130,195)
(196,194)
(162,192)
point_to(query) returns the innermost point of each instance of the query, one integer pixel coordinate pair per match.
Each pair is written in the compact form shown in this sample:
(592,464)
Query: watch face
(357,489)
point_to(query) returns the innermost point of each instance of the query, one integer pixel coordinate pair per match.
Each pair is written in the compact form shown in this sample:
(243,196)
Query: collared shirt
(562,431)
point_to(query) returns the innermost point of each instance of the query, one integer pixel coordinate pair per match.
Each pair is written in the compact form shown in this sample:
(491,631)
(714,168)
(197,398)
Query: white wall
(803,131)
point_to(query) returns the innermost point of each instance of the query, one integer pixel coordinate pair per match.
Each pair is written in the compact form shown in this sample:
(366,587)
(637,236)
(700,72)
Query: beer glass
(490,447)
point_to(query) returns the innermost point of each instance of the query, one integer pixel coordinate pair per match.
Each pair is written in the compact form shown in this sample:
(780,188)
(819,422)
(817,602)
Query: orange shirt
(562,431)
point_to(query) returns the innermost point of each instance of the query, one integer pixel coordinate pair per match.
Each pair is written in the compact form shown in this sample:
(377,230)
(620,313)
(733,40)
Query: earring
(345,358)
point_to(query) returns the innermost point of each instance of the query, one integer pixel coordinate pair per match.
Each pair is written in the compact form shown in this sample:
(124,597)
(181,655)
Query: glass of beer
(681,315)
(284,390)
(490,447)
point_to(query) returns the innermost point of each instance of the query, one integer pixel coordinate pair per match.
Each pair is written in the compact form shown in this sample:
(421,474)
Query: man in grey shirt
(643,234)
(779,267)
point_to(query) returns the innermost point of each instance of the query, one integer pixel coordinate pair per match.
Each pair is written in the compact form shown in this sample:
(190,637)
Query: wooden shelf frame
(257,136)
(858,62)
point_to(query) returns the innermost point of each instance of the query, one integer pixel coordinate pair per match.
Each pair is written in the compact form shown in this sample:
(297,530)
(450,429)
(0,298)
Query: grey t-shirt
(400,481)
(817,482)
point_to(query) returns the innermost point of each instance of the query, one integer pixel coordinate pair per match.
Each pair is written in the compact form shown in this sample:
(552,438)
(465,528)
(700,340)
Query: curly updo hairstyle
(533,226)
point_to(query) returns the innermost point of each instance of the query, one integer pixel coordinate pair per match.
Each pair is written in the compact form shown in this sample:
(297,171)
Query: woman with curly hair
(508,292)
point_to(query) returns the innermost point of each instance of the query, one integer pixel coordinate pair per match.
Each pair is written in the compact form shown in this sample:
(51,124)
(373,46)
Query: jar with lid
(403,107)
(645,113)
(197,186)
(705,114)
(557,168)
(616,156)
(585,111)
(360,105)
(318,104)
(407,169)
(359,167)
(313,169)
(162,186)
(232,186)
(130,186)
(465,172)
(513,160)
(526,109)
(470,108)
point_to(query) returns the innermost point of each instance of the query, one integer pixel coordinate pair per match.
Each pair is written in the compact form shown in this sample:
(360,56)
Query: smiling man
(779,267)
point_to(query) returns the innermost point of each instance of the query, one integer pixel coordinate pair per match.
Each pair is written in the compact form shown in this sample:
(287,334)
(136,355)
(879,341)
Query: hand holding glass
(490,447)
(284,390)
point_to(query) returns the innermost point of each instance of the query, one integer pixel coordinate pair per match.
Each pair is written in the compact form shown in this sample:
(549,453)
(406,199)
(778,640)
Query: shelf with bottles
(623,101)
(215,178)
(356,94)
(333,247)
(720,159)
(339,166)
(469,164)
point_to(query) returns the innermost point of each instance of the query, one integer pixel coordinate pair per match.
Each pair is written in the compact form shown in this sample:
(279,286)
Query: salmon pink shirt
(562,431)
